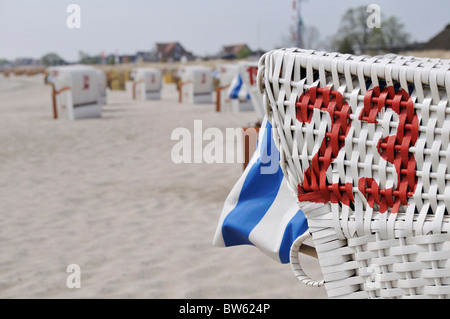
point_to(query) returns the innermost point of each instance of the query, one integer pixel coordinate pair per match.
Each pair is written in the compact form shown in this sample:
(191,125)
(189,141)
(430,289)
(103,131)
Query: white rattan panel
(365,147)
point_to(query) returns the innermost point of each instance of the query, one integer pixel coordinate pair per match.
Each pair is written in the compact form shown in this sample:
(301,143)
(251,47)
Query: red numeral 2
(394,149)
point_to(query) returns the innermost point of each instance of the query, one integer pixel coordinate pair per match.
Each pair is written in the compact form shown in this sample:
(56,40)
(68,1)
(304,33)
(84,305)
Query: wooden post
(55,109)
(218,95)
(54,94)
(180,86)
(249,147)
(218,92)
(134,88)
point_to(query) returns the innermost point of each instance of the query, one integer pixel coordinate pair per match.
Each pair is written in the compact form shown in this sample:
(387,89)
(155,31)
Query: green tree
(244,53)
(394,34)
(83,57)
(52,59)
(355,36)
(346,45)
(353,33)
(4,62)
(111,60)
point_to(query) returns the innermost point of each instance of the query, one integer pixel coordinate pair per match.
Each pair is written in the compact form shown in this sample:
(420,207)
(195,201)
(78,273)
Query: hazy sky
(31,28)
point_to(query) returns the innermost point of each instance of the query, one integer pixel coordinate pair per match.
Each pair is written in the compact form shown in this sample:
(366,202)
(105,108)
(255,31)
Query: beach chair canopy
(152,78)
(84,82)
(199,77)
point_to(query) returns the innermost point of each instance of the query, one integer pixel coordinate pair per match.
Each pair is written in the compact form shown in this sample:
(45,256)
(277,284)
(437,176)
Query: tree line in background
(354,36)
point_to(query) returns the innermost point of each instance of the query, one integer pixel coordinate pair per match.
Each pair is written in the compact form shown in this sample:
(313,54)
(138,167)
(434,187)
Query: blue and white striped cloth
(260,210)
(237,89)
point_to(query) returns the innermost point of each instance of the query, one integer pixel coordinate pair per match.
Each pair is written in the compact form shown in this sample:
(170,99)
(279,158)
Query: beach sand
(104,194)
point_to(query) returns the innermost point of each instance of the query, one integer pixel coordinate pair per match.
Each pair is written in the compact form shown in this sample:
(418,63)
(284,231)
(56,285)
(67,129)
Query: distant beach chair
(238,94)
(117,79)
(196,85)
(365,149)
(77,92)
(147,84)
(248,72)
(225,74)
(103,86)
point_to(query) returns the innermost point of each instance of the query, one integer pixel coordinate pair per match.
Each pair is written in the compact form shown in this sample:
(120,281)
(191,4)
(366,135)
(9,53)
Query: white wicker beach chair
(365,147)
(196,85)
(147,84)
(78,92)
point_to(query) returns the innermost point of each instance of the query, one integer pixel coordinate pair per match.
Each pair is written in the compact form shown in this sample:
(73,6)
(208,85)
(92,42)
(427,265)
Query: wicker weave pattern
(364,144)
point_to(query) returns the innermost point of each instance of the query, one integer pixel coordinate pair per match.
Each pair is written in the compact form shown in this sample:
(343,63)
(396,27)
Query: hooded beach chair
(238,94)
(224,74)
(365,150)
(196,85)
(78,92)
(147,84)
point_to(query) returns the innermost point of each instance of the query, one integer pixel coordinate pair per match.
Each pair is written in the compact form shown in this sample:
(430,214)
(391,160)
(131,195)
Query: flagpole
(299,23)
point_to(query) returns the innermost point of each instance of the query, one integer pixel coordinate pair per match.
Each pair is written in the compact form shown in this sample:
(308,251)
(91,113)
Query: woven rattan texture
(364,145)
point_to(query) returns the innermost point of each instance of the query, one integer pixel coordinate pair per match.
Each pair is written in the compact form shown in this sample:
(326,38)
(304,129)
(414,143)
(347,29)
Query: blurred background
(113,32)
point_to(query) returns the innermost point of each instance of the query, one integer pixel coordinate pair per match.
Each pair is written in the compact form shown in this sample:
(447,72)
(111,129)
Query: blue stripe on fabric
(256,197)
(294,229)
(235,92)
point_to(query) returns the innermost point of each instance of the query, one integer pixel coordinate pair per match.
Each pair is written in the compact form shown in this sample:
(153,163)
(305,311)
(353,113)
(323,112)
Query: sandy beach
(105,194)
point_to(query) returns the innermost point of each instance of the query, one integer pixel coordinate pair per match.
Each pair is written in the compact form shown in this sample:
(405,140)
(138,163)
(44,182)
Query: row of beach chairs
(80,91)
